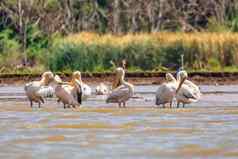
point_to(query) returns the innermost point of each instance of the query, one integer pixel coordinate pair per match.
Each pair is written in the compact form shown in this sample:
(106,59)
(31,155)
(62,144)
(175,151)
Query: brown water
(206,129)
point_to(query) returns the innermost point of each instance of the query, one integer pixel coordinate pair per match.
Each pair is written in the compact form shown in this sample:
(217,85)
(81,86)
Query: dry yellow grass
(162,37)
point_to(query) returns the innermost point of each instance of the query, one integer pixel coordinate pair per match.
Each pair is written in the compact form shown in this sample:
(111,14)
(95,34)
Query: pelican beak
(180,84)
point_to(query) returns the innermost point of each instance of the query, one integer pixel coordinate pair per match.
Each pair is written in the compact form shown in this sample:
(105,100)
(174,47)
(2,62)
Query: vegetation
(157,51)
(89,35)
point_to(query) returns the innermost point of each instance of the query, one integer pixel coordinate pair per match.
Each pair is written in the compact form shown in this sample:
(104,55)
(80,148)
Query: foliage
(93,52)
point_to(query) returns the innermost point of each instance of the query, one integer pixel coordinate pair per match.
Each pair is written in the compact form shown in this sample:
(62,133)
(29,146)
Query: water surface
(206,129)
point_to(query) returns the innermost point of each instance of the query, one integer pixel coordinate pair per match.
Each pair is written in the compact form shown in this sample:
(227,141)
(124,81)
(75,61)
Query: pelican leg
(124,104)
(64,106)
(31,103)
(42,100)
(178,105)
(119,104)
(170,104)
(183,105)
(39,104)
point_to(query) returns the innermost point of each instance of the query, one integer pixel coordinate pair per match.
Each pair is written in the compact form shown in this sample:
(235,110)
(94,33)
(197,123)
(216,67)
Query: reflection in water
(206,129)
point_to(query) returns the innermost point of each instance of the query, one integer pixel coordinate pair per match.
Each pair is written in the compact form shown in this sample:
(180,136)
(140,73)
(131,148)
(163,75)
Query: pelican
(122,93)
(188,93)
(194,88)
(168,90)
(69,95)
(102,89)
(86,90)
(36,91)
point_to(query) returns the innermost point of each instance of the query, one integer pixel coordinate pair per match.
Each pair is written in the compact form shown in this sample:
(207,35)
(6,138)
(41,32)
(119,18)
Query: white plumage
(86,90)
(36,91)
(69,95)
(188,93)
(166,91)
(122,93)
(175,89)
(102,89)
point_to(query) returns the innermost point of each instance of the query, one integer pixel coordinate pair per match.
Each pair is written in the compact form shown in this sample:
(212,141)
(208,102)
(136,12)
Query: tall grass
(93,52)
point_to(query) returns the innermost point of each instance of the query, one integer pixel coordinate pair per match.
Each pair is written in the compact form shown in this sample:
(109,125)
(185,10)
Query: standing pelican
(69,95)
(188,93)
(194,88)
(86,90)
(168,90)
(102,89)
(36,91)
(122,93)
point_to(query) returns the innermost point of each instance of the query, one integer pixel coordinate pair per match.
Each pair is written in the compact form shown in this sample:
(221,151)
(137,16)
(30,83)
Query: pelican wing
(165,93)
(119,95)
(193,88)
(46,91)
(66,94)
(86,91)
(186,95)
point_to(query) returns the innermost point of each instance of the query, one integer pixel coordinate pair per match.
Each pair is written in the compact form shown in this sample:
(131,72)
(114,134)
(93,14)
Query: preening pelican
(122,93)
(102,89)
(36,91)
(188,93)
(194,88)
(86,90)
(166,91)
(69,95)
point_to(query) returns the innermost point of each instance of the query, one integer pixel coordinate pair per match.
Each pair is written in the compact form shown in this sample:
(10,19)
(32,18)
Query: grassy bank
(91,52)
(145,52)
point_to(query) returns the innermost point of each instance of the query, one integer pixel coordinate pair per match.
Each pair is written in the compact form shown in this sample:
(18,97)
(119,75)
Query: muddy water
(206,129)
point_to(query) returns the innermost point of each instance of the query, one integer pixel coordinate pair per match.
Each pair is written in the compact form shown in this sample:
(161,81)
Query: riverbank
(144,78)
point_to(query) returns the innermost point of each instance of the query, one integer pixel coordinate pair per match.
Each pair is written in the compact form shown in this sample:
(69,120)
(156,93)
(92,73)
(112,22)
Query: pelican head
(47,77)
(77,75)
(169,77)
(183,75)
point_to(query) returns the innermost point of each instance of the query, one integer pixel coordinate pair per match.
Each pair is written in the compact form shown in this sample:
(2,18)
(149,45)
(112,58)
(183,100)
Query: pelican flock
(182,89)
(73,92)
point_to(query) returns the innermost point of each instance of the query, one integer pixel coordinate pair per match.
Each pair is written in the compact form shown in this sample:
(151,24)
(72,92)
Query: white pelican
(86,90)
(122,93)
(191,85)
(36,91)
(69,95)
(168,90)
(188,93)
(102,89)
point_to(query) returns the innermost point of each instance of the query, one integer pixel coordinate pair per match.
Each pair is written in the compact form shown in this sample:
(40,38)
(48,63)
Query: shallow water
(206,129)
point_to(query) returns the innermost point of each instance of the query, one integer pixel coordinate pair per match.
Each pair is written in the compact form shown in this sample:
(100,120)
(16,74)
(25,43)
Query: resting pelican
(168,90)
(69,95)
(36,91)
(188,93)
(102,89)
(122,93)
(194,88)
(86,90)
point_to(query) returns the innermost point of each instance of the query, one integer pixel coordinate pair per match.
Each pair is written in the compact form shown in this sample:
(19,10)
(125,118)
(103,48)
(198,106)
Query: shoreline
(138,78)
